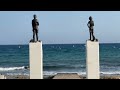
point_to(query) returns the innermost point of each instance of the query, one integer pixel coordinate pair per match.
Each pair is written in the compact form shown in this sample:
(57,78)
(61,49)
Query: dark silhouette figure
(35,25)
(90,25)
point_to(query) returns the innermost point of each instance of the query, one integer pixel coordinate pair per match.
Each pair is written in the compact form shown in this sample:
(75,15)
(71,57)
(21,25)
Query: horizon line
(64,43)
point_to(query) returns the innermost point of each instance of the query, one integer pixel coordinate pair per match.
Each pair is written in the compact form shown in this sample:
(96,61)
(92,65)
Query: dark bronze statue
(90,25)
(35,25)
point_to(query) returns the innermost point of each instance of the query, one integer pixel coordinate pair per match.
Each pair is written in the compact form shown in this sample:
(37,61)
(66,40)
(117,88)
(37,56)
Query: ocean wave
(81,73)
(63,66)
(55,72)
(12,74)
(49,73)
(11,68)
(111,72)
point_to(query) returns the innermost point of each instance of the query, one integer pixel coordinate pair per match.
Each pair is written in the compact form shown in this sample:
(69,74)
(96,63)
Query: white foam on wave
(27,74)
(82,73)
(11,68)
(49,73)
(114,47)
(55,72)
(112,72)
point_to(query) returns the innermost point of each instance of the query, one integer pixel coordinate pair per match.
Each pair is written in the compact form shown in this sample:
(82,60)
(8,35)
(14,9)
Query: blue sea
(58,58)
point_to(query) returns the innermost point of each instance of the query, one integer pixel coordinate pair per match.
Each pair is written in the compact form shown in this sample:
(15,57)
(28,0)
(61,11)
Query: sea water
(58,58)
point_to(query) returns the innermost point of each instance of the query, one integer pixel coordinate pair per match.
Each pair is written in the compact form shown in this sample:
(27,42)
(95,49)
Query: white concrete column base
(92,60)
(36,60)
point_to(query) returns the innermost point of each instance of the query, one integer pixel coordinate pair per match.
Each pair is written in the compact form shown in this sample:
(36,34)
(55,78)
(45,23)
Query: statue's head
(90,18)
(34,16)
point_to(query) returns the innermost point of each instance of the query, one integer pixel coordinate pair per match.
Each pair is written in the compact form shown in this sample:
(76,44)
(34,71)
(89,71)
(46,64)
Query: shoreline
(104,76)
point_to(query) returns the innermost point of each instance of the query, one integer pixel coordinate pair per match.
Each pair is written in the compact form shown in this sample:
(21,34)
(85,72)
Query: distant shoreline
(115,76)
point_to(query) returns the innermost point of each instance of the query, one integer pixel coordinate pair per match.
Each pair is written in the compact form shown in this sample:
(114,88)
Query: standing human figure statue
(35,25)
(90,25)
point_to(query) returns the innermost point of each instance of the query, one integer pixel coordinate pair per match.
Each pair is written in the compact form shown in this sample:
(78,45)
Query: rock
(26,67)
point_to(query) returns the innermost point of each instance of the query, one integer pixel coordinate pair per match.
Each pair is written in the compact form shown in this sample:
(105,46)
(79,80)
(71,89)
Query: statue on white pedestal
(90,25)
(35,25)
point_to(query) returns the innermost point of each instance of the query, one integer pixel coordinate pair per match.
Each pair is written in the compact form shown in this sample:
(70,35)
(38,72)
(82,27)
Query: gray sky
(59,27)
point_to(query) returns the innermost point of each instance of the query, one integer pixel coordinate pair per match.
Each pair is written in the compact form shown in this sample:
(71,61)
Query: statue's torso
(91,24)
(35,24)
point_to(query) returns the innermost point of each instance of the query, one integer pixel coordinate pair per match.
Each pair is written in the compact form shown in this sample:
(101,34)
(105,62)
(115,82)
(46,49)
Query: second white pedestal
(92,59)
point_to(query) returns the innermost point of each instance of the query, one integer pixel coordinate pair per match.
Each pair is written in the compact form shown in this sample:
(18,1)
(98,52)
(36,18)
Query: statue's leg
(34,35)
(37,35)
(93,36)
(90,34)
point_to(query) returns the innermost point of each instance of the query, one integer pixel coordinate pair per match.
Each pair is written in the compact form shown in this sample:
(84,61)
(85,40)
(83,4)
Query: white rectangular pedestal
(92,59)
(36,60)
(2,77)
